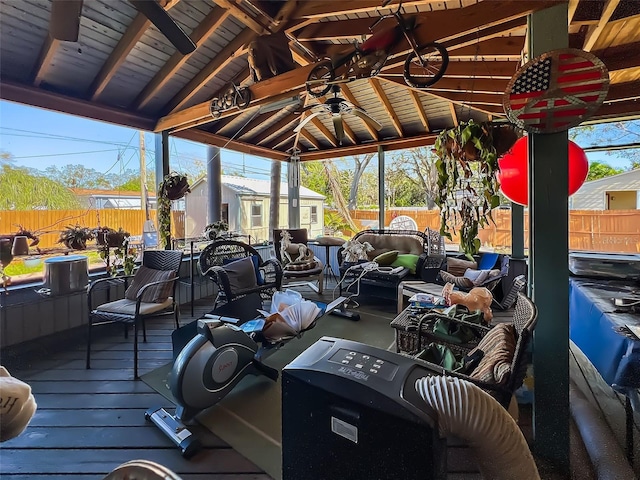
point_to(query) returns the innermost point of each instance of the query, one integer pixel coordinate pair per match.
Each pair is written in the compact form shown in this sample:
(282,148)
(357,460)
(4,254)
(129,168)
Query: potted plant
(122,258)
(76,237)
(172,187)
(213,230)
(109,237)
(468,187)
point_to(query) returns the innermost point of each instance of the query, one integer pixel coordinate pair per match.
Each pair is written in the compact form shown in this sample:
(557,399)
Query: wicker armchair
(220,252)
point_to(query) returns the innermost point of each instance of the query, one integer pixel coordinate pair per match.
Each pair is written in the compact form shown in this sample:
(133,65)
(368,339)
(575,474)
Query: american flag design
(556,91)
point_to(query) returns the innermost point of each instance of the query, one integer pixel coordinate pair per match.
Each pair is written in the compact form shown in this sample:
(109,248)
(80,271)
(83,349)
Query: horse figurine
(287,249)
(354,251)
(478,298)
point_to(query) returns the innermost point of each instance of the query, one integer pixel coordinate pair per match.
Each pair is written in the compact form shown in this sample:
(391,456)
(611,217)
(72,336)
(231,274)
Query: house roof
(253,186)
(123,70)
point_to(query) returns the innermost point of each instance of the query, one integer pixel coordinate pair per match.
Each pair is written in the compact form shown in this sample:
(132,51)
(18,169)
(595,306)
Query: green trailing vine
(468,188)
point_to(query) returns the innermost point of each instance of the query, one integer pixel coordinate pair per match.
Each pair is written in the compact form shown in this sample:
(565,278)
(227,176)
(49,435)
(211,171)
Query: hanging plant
(173,187)
(467,185)
(215,229)
(75,237)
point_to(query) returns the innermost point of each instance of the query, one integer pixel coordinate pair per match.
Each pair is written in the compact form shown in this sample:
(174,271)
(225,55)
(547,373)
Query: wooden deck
(90,421)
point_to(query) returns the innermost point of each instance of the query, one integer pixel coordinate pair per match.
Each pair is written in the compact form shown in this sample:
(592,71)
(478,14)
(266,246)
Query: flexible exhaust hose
(467,412)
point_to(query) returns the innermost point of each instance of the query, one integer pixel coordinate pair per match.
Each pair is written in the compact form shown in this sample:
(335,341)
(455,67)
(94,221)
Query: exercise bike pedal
(344,313)
(173,428)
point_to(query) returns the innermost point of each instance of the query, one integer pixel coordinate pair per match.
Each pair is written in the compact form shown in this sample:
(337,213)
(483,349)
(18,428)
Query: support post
(549,255)
(293,174)
(214,184)
(274,197)
(517,231)
(162,165)
(381,188)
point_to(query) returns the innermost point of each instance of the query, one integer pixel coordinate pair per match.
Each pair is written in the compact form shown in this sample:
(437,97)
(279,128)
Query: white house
(618,192)
(245,206)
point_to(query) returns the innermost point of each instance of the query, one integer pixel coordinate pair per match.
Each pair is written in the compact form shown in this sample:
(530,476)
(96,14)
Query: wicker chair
(134,312)
(312,278)
(220,252)
(510,298)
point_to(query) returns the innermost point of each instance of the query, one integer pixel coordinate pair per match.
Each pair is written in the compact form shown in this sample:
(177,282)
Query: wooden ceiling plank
(382,96)
(594,32)
(45,58)
(256,122)
(454,115)
(286,121)
(208,138)
(310,138)
(469,68)
(417,103)
(280,139)
(320,9)
(349,133)
(571,9)
(240,14)
(620,56)
(350,150)
(212,22)
(459,84)
(37,97)
(623,91)
(224,57)
(325,131)
(351,98)
(490,109)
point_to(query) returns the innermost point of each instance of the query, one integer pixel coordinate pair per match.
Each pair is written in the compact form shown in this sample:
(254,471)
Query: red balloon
(514,171)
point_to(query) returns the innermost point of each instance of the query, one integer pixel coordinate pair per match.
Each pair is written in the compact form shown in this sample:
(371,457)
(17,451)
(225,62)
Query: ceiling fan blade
(64,24)
(306,120)
(307,108)
(365,116)
(339,127)
(167,26)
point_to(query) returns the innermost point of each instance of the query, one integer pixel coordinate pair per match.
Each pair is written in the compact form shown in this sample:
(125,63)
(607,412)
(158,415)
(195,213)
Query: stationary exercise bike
(210,365)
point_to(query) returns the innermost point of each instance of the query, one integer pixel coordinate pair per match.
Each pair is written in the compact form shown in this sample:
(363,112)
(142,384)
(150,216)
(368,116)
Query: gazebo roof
(123,70)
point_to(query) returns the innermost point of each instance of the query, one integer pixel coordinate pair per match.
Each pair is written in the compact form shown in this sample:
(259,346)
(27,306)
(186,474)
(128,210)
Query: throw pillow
(407,260)
(241,274)
(375,252)
(499,346)
(460,282)
(387,258)
(256,266)
(487,261)
(457,266)
(155,294)
(478,277)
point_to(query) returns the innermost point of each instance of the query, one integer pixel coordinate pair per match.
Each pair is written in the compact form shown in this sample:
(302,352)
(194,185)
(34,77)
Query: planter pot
(178,191)
(32,262)
(76,244)
(115,239)
(5,251)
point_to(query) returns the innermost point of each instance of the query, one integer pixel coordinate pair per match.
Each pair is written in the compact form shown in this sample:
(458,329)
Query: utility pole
(143,177)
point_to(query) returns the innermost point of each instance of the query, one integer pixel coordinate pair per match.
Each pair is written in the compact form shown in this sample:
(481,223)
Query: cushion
(407,260)
(387,258)
(300,266)
(128,307)
(402,243)
(155,294)
(460,282)
(331,241)
(499,346)
(256,266)
(457,266)
(377,252)
(476,276)
(487,261)
(241,274)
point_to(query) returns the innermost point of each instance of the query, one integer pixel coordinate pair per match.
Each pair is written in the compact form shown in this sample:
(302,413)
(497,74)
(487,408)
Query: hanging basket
(178,189)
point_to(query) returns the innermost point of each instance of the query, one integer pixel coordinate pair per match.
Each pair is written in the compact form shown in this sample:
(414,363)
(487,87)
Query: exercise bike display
(209,367)
(423,67)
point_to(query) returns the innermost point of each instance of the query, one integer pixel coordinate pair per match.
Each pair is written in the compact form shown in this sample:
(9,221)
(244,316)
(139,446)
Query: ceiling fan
(65,22)
(336,107)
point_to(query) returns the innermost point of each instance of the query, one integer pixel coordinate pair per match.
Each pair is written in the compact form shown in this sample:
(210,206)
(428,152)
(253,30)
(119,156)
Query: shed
(617,192)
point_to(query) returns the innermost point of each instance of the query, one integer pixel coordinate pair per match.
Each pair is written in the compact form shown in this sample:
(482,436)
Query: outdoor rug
(249,418)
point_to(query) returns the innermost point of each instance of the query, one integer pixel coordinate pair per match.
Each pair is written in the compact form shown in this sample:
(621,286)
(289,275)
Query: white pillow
(476,276)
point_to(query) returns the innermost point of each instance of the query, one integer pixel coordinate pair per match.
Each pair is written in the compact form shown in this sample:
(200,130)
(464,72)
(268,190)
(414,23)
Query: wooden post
(214,184)
(293,173)
(274,195)
(162,165)
(381,189)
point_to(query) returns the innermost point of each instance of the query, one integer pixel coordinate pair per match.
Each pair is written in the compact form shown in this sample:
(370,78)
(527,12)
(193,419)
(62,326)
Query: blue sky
(39,138)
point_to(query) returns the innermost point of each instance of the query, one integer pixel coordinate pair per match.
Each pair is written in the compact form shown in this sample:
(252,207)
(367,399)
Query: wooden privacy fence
(51,222)
(590,230)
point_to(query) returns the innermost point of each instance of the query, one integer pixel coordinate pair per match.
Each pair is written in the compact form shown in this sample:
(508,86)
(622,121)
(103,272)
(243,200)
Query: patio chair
(313,277)
(232,281)
(510,298)
(152,292)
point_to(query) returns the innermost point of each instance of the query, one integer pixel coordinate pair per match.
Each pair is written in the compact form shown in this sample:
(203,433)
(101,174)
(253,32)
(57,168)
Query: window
(256,215)
(314,214)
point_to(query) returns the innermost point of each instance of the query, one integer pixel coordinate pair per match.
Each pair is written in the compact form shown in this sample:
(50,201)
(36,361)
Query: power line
(63,154)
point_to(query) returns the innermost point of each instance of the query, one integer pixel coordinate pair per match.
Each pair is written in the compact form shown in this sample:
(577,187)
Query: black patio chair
(152,292)
(296,278)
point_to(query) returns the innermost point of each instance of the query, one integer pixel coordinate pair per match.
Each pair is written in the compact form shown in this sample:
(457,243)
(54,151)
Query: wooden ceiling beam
(285,121)
(382,96)
(346,92)
(594,32)
(616,110)
(493,47)
(45,59)
(265,92)
(37,97)
(232,50)
(212,22)
(372,147)
(469,68)
(571,9)
(454,115)
(243,16)
(208,138)
(349,133)
(620,56)
(256,122)
(484,85)
(417,103)
(321,9)
(325,131)
(118,55)
(623,91)
(310,138)
(280,139)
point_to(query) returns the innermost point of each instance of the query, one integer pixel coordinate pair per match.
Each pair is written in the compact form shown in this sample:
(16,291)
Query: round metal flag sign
(556,91)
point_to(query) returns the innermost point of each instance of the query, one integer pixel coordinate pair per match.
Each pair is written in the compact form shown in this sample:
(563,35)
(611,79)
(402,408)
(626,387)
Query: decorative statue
(354,251)
(478,298)
(301,252)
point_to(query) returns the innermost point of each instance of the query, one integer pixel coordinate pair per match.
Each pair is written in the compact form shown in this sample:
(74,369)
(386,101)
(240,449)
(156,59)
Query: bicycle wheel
(426,68)
(318,77)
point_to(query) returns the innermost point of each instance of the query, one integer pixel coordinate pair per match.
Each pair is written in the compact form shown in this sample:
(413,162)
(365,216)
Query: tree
(6,158)
(614,133)
(79,176)
(20,190)
(419,163)
(314,177)
(361,164)
(601,170)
